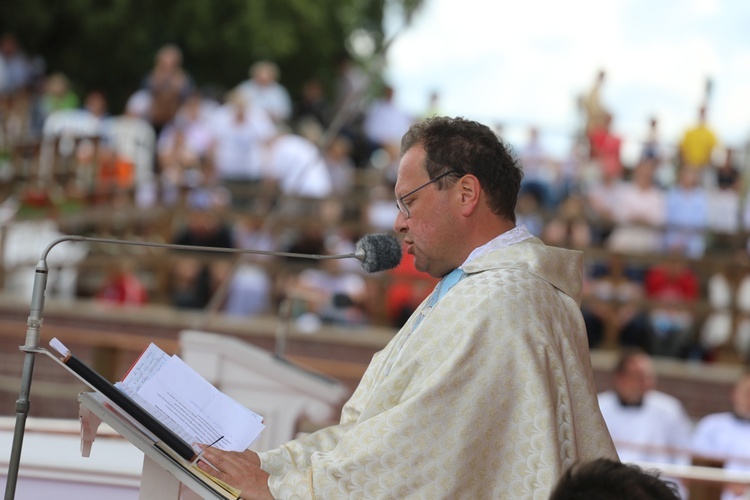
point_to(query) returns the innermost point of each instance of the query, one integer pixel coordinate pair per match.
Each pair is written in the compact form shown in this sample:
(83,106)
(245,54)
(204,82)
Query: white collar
(515,235)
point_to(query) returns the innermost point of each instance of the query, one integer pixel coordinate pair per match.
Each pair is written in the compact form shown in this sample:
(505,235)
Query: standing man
(486,392)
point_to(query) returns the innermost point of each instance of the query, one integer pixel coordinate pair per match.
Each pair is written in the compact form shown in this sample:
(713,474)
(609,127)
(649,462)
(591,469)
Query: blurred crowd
(234,160)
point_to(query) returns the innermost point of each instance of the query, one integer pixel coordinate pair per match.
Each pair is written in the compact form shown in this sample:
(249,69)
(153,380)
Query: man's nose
(399,225)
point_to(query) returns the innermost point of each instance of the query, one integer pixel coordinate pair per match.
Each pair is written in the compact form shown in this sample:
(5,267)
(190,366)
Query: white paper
(188,404)
(201,410)
(150,362)
(162,417)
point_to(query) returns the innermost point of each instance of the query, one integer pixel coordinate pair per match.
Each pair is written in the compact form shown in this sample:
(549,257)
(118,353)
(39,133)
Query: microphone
(378,252)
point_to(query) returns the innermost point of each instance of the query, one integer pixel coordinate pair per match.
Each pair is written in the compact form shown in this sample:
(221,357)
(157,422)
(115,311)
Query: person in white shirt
(641,213)
(646,425)
(239,134)
(264,91)
(726,437)
(385,123)
(296,164)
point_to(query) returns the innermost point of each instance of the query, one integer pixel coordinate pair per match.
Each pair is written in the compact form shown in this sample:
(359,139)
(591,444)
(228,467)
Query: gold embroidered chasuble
(490,396)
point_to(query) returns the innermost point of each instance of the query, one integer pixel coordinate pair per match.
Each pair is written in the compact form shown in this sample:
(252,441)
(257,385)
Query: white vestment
(725,437)
(490,396)
(656,431)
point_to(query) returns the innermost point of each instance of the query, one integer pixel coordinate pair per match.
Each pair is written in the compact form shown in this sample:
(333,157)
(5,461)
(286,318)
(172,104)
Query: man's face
(741,397)
(636,380)
(430,232)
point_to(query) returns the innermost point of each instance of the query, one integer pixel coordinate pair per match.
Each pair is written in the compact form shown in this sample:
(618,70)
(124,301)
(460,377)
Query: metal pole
(34,324)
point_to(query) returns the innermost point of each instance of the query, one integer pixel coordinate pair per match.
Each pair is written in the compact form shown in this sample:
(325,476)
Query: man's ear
(469,191)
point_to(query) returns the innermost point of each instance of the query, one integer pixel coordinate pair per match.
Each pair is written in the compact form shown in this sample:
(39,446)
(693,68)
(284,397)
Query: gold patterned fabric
(491,396)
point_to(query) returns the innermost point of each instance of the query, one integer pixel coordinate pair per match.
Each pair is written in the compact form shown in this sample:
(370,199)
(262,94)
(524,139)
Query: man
(486,392)
(646,425)
(726,437)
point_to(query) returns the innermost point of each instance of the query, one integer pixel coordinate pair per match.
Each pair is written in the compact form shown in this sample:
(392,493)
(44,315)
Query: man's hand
(238,469)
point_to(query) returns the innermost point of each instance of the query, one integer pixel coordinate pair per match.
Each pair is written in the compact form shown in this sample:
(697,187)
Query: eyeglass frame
(401,206)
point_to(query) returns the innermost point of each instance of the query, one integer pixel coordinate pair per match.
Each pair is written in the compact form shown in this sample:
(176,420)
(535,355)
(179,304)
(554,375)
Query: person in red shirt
(123,287)
(605,147)
(672,288)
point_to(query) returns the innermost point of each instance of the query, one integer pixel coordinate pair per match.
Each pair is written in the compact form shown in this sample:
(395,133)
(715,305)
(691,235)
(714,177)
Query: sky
(524,63)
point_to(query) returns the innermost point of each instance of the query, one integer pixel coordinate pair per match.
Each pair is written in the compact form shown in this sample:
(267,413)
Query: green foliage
(110,44)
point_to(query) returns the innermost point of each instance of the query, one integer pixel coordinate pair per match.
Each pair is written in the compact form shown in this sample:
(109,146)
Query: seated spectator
(239,132)
(725,437)
(182,150)
(114,177)
(122,286)
(341,167)
(18,88)
(385,122)
(569,227)
(249,290)
(250,286)
(640,216)
(686,215)
(195,276)
(601,206)
(297,166)
(18,68)
(57,96)
(612,298)
(645,424)
(264,91)
(138,104)
(672,286)
(312,105)
(604,479)
(95,102)
(332,292)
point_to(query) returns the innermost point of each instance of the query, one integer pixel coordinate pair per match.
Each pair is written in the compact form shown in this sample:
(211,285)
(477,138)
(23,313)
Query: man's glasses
(400,201)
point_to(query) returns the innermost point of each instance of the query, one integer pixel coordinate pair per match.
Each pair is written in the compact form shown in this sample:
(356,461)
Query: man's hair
(626,355)
(604,479)
(468,147)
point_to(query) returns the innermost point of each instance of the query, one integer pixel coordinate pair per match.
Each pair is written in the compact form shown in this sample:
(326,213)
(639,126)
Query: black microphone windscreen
(381,252)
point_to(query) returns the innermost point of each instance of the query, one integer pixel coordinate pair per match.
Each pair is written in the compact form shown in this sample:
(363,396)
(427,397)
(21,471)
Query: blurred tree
(110,44)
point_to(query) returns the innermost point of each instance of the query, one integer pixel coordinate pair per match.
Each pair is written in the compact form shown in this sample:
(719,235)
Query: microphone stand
(34,324)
